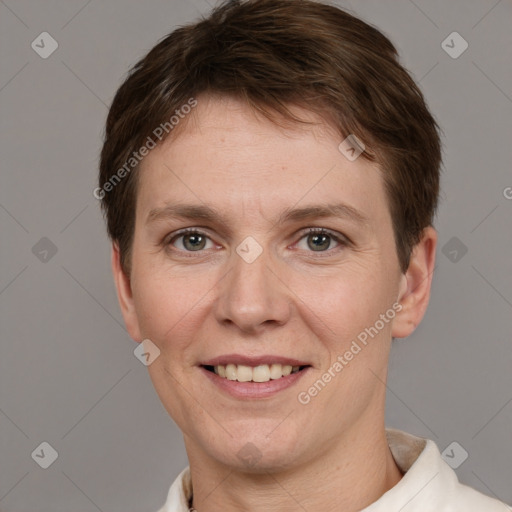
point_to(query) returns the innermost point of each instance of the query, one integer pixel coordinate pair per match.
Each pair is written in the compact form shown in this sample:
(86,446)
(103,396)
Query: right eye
(191,240)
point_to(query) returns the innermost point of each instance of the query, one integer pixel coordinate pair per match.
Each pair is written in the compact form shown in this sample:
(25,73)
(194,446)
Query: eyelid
(320,230)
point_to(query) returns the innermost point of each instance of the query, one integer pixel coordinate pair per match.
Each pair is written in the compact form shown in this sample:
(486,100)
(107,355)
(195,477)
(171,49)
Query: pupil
(323,238)
(195,244)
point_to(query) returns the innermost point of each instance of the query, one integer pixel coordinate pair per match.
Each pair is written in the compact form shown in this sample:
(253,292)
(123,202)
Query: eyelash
(341,240)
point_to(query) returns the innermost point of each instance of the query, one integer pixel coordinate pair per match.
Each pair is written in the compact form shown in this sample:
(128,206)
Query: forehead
(227,156)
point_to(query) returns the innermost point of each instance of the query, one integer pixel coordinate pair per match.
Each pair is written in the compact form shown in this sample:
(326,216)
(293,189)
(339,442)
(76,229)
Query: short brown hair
(273,54)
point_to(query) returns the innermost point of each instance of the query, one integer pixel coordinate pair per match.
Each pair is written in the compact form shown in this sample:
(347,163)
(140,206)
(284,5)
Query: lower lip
(254,389)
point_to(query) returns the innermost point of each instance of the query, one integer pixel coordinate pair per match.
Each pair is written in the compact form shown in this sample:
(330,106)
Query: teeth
(276,371)
(230,372)
(262,373)
(243,373)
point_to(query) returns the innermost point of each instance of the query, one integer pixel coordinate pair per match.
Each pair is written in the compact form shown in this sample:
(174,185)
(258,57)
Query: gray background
(68,374)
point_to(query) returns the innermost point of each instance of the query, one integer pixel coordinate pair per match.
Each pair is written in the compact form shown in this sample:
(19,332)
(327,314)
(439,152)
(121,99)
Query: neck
(348,476)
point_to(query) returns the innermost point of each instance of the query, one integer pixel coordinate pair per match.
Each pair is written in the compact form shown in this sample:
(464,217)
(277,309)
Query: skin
(332,453)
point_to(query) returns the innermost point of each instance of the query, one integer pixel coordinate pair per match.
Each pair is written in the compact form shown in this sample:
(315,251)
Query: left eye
(319,240)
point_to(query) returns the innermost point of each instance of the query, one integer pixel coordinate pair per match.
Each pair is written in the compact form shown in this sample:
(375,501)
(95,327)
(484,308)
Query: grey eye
(192,241)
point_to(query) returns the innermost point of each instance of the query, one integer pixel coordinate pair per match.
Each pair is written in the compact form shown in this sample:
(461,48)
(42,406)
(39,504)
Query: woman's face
(253,286)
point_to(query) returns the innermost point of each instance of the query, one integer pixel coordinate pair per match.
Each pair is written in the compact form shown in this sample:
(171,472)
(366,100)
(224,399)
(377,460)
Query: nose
(253,295)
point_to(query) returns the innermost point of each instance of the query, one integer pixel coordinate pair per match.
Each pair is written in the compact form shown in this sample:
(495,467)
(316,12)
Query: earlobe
(125,295)
(415,285)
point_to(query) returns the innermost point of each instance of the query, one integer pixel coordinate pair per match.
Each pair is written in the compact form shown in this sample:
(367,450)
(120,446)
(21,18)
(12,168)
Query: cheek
(345,301)
(171,308)
(160,302)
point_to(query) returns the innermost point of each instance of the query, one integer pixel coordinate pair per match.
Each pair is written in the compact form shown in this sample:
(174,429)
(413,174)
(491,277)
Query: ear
(415,285)
(124,295)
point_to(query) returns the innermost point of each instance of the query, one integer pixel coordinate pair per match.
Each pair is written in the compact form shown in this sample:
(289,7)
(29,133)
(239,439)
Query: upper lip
(253,360)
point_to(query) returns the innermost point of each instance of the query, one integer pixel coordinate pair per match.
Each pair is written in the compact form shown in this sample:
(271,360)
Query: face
(266,280)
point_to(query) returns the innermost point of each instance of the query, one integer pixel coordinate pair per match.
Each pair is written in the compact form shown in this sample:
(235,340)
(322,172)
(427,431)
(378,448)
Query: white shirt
(428,485)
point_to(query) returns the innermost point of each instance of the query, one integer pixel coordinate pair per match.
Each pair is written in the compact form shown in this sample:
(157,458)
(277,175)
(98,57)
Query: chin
(256,453)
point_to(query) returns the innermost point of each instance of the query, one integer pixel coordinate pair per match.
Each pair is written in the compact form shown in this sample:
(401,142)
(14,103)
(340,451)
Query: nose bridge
(251,294)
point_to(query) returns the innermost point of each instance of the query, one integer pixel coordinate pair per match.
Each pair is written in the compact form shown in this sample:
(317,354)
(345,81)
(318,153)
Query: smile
(260,373)
(255,382)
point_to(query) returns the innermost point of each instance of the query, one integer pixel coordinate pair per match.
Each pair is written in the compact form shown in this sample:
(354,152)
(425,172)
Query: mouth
(254,377)
(260,373)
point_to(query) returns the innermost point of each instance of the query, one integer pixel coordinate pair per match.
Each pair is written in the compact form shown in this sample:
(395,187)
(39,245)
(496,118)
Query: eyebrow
(206,213)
